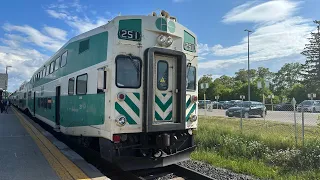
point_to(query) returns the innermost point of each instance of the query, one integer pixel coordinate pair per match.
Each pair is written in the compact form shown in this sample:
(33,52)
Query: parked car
(201,103)
(309,106)
(284,107)
(247,109)
(223,104)
(214,105)
(234,103)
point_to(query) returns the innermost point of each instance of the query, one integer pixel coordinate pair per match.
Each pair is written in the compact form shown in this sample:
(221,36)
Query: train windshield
(191,78)
(128,72)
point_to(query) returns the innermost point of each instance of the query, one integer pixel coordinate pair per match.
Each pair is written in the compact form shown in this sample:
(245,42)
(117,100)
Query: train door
(165,90)
(57,103)
(34,103)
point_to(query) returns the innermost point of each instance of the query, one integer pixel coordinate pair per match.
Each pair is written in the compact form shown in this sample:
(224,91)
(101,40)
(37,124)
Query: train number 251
(129,35)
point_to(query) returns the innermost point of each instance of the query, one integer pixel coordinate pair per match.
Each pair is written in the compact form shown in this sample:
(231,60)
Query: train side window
(57,63)
(63,61)
(39,102)
(44,71)
(162,75)
(49,103)
(81,86)
(48,69)
(83,46)
(101,82)
(71,86)
(45,103)
(52,67)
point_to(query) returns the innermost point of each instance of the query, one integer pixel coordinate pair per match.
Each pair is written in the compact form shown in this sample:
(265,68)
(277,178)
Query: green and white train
(129,87)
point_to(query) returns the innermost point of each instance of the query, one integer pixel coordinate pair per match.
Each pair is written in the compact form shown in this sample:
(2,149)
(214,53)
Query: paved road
(280,116)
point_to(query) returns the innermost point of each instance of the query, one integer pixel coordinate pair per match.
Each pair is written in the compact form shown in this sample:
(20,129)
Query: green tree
(286,77)
(297,91)
(242,75)
(223,87)
(264,73)
(311,68)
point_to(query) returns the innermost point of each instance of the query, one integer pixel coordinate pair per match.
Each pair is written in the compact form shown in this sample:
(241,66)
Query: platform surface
(20,157)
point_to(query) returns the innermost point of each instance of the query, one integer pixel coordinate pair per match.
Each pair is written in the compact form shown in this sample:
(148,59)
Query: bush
(223,139)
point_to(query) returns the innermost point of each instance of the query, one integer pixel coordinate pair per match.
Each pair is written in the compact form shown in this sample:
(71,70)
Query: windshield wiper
(135,65)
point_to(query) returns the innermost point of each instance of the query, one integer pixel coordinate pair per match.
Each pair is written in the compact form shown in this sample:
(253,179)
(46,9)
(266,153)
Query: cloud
(269,11)
(34,36)
(58,15)
(22,48)
(24,62)
(26,48)
(56,32)
(74,14)
(274,37)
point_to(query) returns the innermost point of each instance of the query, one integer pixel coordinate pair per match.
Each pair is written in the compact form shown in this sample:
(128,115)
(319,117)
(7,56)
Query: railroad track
(174,172)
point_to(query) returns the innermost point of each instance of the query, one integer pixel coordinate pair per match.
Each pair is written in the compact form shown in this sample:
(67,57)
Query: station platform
(29,152)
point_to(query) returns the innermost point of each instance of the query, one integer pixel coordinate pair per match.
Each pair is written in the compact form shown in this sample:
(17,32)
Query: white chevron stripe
(163,114)
(162,98)
(134,99)
(187,98)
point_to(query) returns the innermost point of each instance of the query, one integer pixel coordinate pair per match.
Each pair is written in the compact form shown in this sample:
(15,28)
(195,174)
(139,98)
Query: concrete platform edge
(87,168)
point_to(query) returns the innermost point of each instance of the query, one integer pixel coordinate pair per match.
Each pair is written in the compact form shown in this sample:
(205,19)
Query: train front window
(191,78)
(128,72)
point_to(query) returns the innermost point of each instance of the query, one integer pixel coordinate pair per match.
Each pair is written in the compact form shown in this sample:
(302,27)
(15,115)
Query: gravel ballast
(214,172)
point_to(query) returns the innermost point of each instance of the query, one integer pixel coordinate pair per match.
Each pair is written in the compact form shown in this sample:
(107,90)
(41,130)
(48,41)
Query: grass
(262,149)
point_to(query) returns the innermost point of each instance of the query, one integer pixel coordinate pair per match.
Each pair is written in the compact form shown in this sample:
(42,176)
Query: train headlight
(121,120)
(169,41)
(193,118)
(164,40)
(161,39)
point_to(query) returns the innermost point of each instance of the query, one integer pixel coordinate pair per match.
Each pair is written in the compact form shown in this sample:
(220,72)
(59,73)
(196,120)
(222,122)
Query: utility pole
(7,69)
(318,22)
(249,97)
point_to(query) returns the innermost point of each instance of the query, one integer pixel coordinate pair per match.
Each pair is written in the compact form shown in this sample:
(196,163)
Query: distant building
(3,81)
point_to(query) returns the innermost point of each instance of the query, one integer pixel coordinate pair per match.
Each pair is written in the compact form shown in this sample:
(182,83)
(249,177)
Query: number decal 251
(189,47)
(129,35)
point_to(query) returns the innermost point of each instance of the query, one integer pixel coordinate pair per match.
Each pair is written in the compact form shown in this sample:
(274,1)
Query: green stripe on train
(123,112)
(75,110)
(82,110)
(191,111)
(133,106)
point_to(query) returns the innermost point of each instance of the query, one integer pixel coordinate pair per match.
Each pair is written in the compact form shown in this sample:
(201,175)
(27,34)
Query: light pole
(7,69)
(7,76)
(248,66)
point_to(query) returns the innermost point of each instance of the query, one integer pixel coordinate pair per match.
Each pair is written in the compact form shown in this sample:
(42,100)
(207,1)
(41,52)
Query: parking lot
(280,116)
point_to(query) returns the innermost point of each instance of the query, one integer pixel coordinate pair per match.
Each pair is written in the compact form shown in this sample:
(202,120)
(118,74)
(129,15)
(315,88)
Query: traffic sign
(204,85)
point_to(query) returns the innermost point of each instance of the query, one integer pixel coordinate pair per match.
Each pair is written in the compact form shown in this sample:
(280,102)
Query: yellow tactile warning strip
(64,168)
